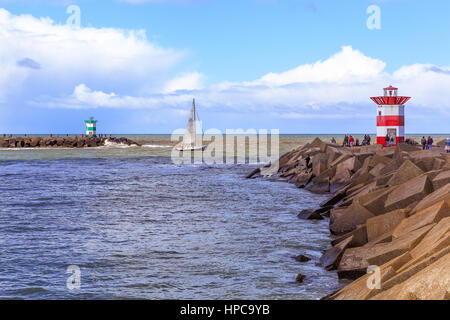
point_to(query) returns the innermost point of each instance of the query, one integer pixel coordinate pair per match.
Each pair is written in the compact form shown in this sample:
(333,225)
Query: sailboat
(190,141)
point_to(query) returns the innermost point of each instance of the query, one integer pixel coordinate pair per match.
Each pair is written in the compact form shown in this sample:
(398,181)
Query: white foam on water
(156,146)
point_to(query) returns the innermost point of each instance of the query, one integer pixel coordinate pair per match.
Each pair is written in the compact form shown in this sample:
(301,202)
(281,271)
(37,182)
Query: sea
(126,222)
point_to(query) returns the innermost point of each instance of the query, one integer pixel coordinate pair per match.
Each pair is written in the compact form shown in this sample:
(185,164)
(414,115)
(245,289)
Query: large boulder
(330,259)
(355,261)
(407,171)
(398,246)
(408,192)
(375,201)
(309,214)
(381,224)
(431,283)
(439,231)
(423,217)
(441,179)
(350,218)
(412,267)
(359,290)
(301,179)
(442,193)
(4,143)
(359,237)
(319,163)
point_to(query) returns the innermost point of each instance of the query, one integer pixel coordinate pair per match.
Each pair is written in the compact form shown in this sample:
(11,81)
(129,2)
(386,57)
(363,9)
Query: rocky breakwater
(390,210)
(62,142)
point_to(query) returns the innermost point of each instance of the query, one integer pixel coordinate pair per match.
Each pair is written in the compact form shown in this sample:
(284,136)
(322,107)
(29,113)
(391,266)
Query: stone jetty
(389,212)
(62,142)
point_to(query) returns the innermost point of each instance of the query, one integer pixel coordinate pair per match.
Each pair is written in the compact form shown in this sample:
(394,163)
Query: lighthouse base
(382,140)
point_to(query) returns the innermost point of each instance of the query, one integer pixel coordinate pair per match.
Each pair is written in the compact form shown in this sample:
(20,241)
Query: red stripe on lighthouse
(391,121)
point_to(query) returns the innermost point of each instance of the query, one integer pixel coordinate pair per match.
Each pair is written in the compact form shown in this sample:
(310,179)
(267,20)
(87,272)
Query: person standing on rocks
(424,143)
(345,143)
(387,140)
(333,140)
(430,142)
(351,141)
(447,145)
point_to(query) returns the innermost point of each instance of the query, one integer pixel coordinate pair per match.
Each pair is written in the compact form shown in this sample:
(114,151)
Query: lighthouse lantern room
(390,116)
(91,127)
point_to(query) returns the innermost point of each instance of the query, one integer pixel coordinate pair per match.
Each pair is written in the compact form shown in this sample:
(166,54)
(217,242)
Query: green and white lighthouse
(91,127)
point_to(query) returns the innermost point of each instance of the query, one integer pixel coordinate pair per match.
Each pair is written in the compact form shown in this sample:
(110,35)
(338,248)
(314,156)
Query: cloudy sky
(301,66)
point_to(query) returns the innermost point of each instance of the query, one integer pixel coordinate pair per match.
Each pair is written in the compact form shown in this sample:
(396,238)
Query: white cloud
(186,81)
(346,66)
(62,57)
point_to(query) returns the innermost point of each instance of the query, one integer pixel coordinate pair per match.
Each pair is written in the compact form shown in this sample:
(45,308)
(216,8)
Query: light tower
(91,127)
(390,116)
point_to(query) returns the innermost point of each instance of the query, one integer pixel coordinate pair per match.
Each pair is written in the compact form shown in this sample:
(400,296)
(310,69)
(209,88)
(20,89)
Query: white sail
(190,140)
(190,133)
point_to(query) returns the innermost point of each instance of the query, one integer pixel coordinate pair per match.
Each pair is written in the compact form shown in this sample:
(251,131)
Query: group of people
(427,143)
(350,141)
(389,141)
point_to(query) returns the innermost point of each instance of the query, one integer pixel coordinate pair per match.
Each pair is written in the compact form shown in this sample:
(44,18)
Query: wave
(109,143)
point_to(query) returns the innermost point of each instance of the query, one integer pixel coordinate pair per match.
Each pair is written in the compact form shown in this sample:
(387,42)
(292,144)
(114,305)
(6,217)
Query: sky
(300,66)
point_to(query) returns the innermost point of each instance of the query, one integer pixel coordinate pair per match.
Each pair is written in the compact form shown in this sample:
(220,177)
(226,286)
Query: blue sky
(301,66)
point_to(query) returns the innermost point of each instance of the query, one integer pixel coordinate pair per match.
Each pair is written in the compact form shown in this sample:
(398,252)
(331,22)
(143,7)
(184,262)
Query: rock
(355,261)
(341,177)
(410,191)
(319,163)
(387,251)
(407,171)
(377,159)
(381,224)
(423,217)
(300,277)
(359,290)
(330,259)
(340,159)
(4,143)
(441,179)
(319,187)
(251,174)
(438,231)
(412,267)
(442,193)
(309,214)
(334,200)
(375,201)
(324,211)
(431,283)
(376,171)
(302,179)
(350,218)
(359,237)
(352,164)
(302,258)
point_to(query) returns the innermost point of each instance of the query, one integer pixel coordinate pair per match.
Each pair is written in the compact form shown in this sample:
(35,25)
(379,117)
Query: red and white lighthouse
(390,116)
